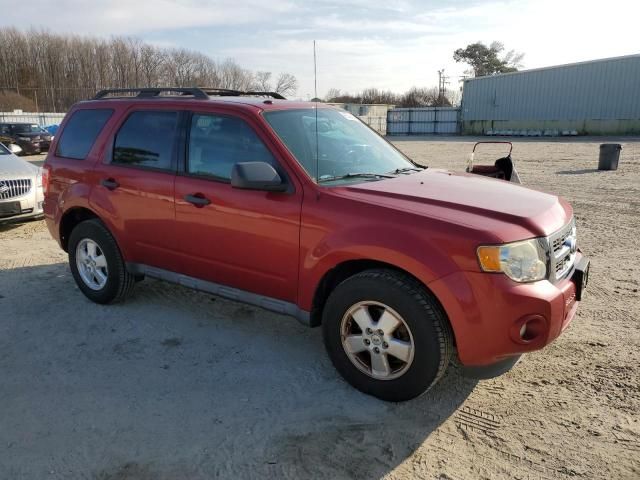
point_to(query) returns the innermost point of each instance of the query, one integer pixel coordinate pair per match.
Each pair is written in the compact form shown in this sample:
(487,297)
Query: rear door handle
(109,183)
(197,199)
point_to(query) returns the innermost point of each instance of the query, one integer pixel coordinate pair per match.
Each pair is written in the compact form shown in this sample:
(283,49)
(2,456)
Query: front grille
(14,188)
(563,250)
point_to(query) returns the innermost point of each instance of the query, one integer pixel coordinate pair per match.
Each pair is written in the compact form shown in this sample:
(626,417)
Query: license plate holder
(581,277)
(8,209)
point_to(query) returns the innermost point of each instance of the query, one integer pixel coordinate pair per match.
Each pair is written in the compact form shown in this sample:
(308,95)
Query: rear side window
(80,133)
(147,139)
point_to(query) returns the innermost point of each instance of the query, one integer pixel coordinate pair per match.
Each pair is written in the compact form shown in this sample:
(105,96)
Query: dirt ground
(176,384)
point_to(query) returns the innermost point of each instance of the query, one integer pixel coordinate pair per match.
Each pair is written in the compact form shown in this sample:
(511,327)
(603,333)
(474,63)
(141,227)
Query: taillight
(46,175)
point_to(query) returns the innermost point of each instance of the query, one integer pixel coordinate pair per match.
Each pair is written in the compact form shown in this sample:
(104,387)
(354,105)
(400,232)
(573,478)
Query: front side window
(81,131)
(217,143)
(147,139)
(334,147)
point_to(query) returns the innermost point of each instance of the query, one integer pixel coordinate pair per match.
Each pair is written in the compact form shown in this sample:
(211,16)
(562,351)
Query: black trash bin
(609,156)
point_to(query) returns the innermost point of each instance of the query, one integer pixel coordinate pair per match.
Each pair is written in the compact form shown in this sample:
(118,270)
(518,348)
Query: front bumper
(487,312)
(31,207)
(29,148)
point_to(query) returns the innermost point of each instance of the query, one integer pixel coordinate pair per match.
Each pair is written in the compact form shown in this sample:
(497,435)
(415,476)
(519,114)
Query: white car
(21,194)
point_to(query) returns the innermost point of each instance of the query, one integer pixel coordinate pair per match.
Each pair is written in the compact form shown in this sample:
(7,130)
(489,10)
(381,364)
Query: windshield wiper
(407,169)
(329,178)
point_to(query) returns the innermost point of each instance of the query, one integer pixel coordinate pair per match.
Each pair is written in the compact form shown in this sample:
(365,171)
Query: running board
(268,303)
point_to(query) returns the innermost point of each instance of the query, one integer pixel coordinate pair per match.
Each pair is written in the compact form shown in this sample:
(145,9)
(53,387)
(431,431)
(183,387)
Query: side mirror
(256,176)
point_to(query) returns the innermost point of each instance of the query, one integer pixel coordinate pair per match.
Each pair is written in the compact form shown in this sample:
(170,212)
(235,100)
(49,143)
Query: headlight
(524,261)
(39,179)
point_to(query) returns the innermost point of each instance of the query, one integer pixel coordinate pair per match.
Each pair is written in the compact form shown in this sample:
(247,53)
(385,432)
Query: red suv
(301,209)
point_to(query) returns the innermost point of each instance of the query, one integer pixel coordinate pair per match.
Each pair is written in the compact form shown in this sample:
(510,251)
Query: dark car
(31,137)
(302,209)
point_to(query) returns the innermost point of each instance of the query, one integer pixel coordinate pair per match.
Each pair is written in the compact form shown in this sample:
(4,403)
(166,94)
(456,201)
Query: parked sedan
(20,188)
(32,138)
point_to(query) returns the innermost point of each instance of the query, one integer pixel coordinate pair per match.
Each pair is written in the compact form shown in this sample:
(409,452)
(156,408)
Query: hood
(472,200)
(12,167)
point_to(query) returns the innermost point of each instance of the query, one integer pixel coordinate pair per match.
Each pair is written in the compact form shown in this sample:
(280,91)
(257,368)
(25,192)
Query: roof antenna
(315,95)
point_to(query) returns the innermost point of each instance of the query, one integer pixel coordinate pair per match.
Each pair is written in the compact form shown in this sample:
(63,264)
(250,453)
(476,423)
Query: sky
(390,44)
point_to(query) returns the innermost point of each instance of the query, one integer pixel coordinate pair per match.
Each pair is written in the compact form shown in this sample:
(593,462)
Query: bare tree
(332,94)
(151,62)
(263,81)
(52,71)
(286,84)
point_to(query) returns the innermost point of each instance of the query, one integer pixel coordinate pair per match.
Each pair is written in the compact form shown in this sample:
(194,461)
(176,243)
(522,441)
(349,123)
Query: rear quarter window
(81,131)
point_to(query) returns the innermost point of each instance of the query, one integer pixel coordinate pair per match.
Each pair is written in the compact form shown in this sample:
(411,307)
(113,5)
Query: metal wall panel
(41,119)
(422,121)
(606,89)
(374,115)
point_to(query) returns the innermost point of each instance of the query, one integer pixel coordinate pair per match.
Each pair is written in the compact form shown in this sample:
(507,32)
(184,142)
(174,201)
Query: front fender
(416,254)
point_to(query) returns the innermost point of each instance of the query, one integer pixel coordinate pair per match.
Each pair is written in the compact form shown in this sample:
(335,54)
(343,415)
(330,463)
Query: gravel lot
(176,384)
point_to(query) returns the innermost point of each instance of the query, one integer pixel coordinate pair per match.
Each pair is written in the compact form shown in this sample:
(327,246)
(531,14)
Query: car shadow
(578,172)
(6,225)
(179,384)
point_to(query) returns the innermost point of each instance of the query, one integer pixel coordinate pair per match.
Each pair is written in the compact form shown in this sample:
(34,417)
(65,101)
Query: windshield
(4,150)
(346,150)
(25,128)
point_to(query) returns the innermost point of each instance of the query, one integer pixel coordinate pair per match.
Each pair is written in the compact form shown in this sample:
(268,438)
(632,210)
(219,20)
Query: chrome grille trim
(563,248)
(14,188)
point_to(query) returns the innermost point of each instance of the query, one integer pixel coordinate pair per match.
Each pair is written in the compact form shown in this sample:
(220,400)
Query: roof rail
(152,92)
(225,92)
(275,95)
(202,93)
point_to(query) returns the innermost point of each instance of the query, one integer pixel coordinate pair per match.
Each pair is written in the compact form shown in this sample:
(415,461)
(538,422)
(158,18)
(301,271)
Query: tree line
(412,98)
(44,71)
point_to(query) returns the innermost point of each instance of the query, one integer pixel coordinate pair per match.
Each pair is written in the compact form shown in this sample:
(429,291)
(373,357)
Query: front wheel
(386,335)
(96,263)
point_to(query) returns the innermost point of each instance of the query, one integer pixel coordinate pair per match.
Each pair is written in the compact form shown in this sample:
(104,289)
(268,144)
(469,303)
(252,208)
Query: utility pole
(443,81)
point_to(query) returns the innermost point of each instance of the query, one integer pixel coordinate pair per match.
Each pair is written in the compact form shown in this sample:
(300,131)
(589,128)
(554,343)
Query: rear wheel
(386,335)
(96,263)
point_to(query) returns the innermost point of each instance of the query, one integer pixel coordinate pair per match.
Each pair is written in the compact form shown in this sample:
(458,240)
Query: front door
(240,238)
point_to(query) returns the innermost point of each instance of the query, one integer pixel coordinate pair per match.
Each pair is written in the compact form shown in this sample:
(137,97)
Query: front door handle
(109,183)
(197,199)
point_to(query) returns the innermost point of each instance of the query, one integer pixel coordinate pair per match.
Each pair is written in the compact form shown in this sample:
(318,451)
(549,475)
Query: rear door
(135,185)
(241,238)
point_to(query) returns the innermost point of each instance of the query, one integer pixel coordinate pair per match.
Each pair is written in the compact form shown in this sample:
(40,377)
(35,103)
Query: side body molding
(268,303)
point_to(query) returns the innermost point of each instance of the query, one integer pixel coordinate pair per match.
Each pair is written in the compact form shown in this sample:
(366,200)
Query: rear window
(146,139)
(80,133)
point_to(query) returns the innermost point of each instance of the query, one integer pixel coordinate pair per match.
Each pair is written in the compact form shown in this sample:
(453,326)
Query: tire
(421,343)
(108,284)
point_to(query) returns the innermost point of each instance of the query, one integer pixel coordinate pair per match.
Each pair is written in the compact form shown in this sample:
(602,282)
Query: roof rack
(202,93)
(225,92)
(152,92)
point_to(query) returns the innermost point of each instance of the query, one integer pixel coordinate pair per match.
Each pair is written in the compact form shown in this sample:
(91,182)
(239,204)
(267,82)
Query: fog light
(529,329)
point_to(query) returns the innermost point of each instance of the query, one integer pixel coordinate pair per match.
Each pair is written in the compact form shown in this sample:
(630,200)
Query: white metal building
(599,97)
